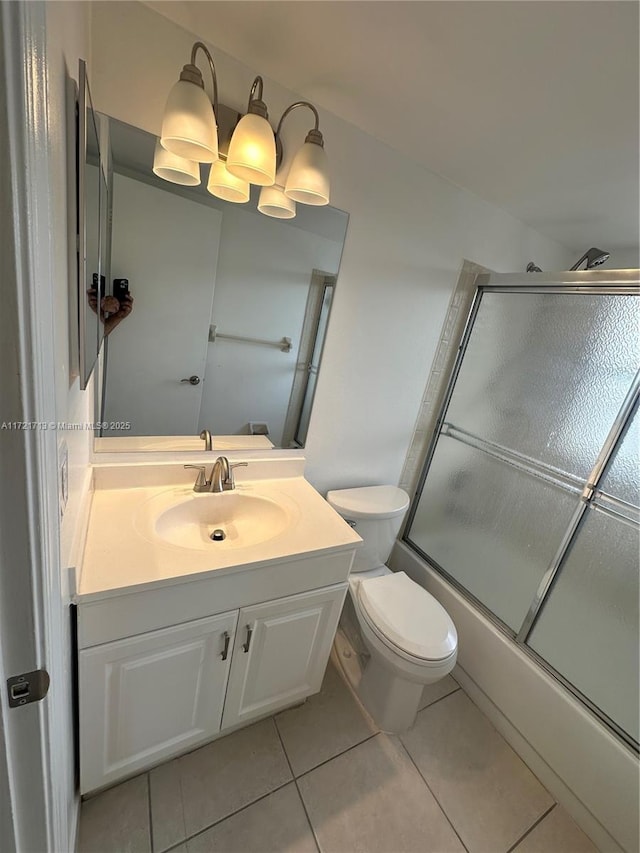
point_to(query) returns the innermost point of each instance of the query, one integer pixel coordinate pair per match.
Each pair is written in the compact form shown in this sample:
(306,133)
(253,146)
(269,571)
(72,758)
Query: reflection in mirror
(90,197)
(322,295)
(228,310)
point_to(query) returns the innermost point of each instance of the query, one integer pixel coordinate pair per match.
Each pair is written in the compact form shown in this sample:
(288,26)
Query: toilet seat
(407,618)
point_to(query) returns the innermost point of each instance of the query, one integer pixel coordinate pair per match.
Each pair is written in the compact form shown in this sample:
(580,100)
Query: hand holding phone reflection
(112,310)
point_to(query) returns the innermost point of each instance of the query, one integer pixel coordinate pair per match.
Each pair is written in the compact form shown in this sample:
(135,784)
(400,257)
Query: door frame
(36,798)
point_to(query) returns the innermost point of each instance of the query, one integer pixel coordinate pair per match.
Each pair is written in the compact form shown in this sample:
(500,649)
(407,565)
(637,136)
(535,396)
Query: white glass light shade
(189,125)
(176,169)
(273,202)
(252,151)
(308,178)
(224,185)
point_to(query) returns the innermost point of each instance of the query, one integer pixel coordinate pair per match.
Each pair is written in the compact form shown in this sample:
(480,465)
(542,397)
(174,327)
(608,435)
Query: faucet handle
(231,478)
(201,483)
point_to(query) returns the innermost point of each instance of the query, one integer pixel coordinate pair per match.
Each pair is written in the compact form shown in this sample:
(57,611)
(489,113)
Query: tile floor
(321,777)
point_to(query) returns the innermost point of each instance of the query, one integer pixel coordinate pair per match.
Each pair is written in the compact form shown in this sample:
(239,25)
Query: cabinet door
(147,698)
(281,652)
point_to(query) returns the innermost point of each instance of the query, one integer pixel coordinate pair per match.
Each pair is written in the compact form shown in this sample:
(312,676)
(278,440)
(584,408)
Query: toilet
(394,637)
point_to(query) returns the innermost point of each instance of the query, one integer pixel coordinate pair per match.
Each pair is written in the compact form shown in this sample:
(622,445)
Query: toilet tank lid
(369,501)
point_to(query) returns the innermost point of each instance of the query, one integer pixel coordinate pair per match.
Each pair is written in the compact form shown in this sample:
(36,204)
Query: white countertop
(122,554)
(174,443)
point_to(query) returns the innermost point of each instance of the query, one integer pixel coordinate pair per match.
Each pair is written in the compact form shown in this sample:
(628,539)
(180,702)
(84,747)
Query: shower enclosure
(529,499)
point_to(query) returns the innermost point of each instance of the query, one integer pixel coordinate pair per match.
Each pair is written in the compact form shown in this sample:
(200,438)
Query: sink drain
(217,535)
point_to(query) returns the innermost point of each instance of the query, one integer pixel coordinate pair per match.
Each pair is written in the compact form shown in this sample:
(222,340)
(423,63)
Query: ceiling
(531,105)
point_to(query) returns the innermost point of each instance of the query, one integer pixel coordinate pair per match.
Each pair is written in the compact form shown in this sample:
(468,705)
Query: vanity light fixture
(189,125)
(226,186)
(190,132)
(252,150)
(308,178)
(175,169)
(273,202)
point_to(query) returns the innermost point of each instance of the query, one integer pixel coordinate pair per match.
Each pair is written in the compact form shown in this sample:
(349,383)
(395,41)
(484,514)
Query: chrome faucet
(221,480)
(219,474)
(205,435)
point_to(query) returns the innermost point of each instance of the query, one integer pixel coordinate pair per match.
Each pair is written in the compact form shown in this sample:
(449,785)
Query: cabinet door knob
(225,652)
(245,646)
(192,380)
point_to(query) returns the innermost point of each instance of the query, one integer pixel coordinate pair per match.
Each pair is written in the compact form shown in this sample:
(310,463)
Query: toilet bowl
(394,637)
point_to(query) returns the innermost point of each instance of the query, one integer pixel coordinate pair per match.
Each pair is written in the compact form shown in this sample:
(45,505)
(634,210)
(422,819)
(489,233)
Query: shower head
(594,257)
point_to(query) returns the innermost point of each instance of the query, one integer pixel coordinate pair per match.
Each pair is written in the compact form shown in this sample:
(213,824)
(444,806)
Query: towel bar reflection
(284,344)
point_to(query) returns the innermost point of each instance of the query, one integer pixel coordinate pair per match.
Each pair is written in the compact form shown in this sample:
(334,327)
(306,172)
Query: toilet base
(388,685)
(392,701)
(349,661)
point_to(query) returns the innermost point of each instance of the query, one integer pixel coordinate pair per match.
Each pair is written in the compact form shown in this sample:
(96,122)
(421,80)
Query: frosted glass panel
(492,527)
(545,374)
(623,479)
(588,627)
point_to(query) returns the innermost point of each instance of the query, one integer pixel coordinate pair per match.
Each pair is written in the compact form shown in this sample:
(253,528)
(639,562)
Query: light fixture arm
(192,73)
(258,82)
(256,105)
(314,135)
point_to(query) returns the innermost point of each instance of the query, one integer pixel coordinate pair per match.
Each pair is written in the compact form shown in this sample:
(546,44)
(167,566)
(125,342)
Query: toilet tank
(376,513)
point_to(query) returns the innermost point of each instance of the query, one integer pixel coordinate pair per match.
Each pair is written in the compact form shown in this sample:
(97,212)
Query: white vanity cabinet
(146,698)
(280,653)
(149,697)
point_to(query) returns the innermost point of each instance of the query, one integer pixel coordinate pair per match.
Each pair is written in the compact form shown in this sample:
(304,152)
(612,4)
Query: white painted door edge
(31,627)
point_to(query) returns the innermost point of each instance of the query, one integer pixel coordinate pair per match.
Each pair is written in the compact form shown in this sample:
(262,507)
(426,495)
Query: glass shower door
(588,626)
(537,393)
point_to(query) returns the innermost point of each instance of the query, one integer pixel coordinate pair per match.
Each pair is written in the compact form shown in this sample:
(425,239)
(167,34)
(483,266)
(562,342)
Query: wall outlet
(63,477)
(258,428)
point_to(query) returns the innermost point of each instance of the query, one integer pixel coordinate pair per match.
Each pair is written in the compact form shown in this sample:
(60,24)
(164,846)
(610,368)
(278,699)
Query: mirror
(228,310)
(91,229)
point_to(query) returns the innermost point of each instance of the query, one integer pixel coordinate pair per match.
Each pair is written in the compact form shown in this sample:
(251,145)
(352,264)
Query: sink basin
(244,520)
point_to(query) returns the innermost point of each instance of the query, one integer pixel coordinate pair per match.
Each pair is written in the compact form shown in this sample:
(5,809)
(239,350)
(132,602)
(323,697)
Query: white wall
(622,259)
(409,231)
(68,26)
(262,284)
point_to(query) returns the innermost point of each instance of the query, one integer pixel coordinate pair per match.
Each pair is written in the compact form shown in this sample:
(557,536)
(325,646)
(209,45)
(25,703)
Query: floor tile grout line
(284,748)
(337,755)
(440,698)
(311,826)
(295,781)
(148,775)
(231,814)
(439,804)
(532,827)
(184,818)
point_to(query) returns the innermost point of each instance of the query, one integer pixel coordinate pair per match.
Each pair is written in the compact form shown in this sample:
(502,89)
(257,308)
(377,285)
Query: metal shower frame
(624,282)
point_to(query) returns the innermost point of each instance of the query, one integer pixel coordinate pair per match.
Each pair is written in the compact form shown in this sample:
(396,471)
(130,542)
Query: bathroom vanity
(181,638)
